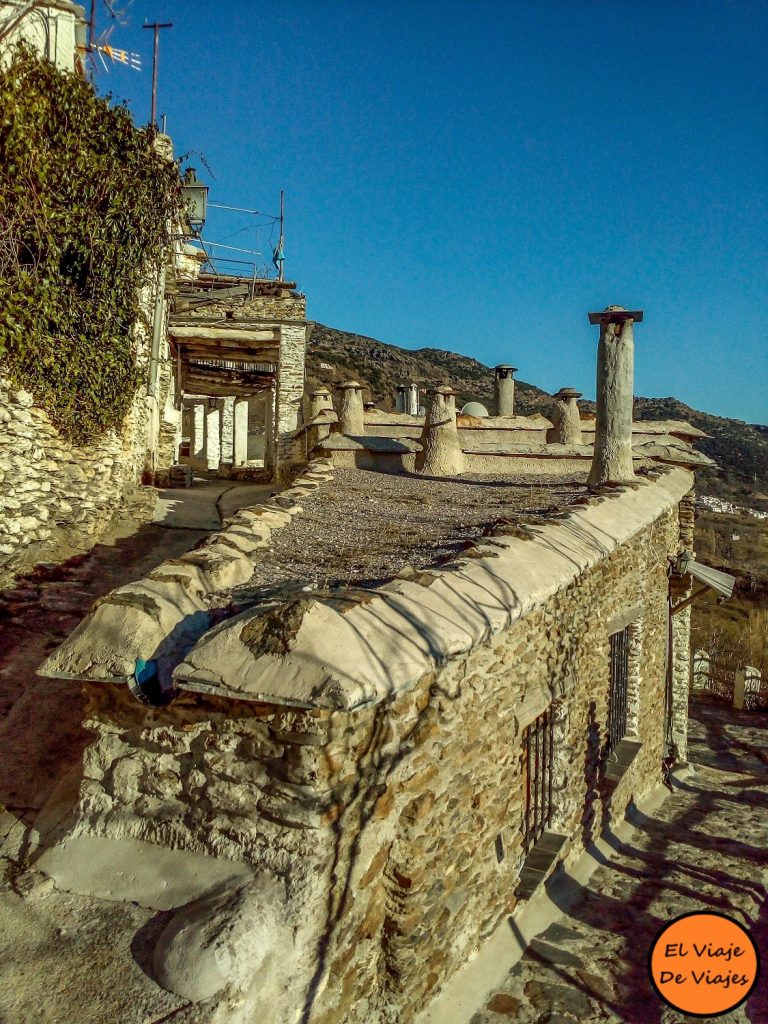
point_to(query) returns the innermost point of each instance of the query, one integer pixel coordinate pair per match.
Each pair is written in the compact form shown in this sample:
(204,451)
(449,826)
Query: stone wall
(57,498)
(285,305)
(396,828)
(166,413)
(680,589)
(288,398)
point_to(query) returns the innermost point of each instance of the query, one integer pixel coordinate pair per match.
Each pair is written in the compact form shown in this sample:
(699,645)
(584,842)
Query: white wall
(52,29)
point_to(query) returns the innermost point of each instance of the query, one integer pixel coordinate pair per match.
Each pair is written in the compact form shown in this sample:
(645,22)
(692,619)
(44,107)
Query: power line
(234,248)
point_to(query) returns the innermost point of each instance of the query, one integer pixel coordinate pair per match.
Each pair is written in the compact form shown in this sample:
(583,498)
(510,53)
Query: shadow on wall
(381,757)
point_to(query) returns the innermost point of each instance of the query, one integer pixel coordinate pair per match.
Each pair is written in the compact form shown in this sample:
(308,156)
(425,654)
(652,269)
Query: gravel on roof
(364,527)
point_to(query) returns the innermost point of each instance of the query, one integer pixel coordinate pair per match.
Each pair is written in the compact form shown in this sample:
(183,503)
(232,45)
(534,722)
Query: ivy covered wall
(84,206)
(85,203)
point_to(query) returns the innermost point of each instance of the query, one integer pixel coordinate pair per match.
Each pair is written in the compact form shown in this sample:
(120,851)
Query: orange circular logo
(704,964)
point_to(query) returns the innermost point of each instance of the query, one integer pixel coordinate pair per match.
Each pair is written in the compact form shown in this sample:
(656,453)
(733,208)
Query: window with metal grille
(538,758)
(617,700)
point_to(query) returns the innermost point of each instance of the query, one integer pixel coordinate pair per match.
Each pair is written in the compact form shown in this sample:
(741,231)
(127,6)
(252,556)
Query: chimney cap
(616,315)
(349,384)
(443,389)
(506,366)
(568,393)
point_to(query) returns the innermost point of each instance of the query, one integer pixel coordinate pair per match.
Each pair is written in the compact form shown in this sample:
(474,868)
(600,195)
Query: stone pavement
(705,848)
(204,506)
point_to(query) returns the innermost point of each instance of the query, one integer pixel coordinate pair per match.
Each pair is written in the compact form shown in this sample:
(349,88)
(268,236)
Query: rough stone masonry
(55,497)
(361,758)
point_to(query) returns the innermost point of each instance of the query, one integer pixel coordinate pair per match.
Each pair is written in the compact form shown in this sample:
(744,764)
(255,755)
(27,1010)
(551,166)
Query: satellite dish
(475,409)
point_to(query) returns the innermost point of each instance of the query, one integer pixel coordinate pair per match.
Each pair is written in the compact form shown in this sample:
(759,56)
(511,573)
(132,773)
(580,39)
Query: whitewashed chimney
(565,417)
(351,419)
(320,401)
(504,389)
(612,461)
(441,453)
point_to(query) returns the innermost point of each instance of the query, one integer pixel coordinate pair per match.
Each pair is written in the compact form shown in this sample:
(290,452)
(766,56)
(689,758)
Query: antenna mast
(156,26)
(282,225)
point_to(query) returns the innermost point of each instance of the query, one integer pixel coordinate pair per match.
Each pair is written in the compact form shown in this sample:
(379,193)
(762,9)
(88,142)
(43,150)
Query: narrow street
(704,849)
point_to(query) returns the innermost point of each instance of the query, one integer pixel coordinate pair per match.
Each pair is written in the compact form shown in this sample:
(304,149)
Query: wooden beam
(187,318)
(216,389)
(221,333)
(269,283)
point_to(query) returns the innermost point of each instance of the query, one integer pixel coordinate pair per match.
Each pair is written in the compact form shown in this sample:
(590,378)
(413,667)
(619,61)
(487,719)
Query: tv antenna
(278,256)
(101,47)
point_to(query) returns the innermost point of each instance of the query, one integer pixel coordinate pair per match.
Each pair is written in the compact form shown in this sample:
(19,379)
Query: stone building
(352,790)
(241,361)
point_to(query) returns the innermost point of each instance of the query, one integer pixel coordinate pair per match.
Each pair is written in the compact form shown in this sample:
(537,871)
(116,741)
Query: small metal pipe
(157,329)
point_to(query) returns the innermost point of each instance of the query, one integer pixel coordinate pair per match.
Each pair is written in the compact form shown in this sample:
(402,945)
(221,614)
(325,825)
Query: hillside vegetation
(740,449)
(734,632)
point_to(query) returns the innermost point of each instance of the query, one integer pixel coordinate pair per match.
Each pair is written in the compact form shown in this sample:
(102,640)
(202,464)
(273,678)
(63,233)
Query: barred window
(618,696)
(538,757)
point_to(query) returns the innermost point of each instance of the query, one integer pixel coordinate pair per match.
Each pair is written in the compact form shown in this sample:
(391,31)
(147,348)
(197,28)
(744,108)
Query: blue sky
(476,177)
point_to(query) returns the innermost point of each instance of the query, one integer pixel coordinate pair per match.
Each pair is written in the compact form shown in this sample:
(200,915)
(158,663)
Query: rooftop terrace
(367,527)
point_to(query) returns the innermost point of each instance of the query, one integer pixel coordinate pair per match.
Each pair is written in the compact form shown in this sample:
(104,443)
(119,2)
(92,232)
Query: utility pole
(278,256)
(156,26)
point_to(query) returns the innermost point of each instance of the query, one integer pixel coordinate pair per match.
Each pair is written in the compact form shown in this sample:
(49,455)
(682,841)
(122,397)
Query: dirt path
(705,848)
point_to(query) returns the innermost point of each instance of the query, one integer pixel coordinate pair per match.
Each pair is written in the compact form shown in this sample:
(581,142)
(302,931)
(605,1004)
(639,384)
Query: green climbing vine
(85,204)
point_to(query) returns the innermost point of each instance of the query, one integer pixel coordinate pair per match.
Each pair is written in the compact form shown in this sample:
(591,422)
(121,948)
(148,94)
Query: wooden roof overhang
(226,377)
(224,355)
(254,344)
(221,357)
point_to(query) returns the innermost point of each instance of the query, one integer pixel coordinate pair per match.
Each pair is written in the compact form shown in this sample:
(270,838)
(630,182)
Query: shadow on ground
(704,849)
(41,734)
